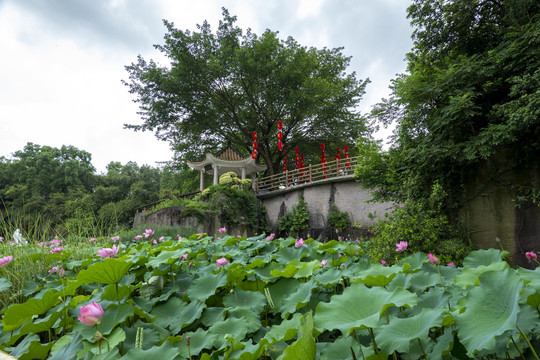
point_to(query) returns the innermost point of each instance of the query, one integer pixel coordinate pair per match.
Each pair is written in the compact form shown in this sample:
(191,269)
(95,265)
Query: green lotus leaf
(530,277)
(414,262)
(264,272)
(296,299)
(31,348)
(492,309)
(304,348)
(176,314)
(288,254)
(330,247)
(110,271)
(377,275)
(251,319)
(399,332)
(340,349)
(285,331)
(484,257)
(443,345)
(198,340)
(359,307)
(165,351)
(36,326)
(236,273)
(165,257)
(470,275)
(290,269)
(114,315)
(231,327)
(250,299)
(66,347)
(257,263)
(434,298)
(206,285)
(5,284)
(329,277)
(248,351)
(93,349)
(18,314)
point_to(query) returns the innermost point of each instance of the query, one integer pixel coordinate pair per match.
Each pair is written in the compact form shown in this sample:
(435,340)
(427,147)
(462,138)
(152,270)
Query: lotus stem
(528,343)
(374,343)
(515,345)
(422,348)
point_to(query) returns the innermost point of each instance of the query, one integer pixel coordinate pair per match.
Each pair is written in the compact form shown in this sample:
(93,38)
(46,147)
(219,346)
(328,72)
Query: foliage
(230,179)
(339,220)
(41,184)
(170,299)
(235,207)
(471,94)
(424,228)
(221,87)
(296,220)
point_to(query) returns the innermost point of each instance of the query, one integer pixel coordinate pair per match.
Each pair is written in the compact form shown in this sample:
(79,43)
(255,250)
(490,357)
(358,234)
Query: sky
(62,61)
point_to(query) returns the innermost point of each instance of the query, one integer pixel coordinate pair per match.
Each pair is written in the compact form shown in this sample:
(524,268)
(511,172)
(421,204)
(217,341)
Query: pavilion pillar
(243,173)
(216,178)
(202,180)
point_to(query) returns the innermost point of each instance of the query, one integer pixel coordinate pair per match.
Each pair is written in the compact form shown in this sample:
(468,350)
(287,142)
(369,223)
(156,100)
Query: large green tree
(221,87)
(471,94)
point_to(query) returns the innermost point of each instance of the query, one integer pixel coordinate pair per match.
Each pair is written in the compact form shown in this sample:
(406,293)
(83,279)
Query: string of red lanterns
(255,145)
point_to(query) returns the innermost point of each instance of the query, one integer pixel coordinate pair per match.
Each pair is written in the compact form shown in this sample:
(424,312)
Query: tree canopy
(221,87)
(471,93)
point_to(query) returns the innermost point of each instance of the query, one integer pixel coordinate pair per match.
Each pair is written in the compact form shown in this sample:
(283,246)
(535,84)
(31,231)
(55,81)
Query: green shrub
(424,228)
(339,220)
(296,220)
(236,207)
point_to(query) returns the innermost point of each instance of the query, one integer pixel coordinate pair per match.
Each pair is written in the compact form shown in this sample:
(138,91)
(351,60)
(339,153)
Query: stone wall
(343,192)
(492,212)
(172,216)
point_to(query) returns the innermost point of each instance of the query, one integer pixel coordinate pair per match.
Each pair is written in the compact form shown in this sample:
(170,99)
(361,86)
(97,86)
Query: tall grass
(32,262)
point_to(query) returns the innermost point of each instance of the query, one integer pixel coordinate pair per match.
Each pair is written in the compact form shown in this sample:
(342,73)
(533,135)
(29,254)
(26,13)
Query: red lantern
(255,145)
(285,161)
(254,154)
(346,149)
(322,147)
(279,125)
(279,135)
(284,167)
(280,145)
(254,136)
(296,150)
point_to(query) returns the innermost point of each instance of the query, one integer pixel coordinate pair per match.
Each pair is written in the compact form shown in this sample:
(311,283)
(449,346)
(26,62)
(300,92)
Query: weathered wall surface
(492,212)
(172,216)
(343,192)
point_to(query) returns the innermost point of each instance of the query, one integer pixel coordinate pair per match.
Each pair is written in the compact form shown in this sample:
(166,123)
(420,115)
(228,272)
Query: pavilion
(226,160)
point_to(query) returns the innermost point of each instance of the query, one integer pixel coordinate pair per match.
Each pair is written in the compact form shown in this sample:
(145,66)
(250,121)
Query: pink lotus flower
(154,241)
(222,230)
(148,233)
(93,239)
(162,238)
(115,238)
(531,256)
(401,246)
(221,261)
(53,270)
(138,237)
(300,243)
(433,259)
(324,262)
(270,237)
(91,314)
(179,238)
(6,260)
(106,252)
(451,264)
(1,238)
(56,250)
(185,256)
(61,272)
(383,262)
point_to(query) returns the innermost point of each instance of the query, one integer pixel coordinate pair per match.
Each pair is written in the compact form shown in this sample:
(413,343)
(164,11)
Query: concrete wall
(343,192)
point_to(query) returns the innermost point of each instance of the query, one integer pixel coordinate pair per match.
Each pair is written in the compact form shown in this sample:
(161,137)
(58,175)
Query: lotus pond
(253,298)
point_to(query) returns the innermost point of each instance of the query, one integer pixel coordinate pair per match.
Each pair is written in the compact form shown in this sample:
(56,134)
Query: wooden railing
(307,175)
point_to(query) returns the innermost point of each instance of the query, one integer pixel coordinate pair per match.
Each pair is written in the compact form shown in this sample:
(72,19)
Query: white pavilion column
(243,173)
(216,178)
(202,180)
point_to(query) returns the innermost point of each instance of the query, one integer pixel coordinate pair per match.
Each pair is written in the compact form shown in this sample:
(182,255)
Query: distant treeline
(59,188)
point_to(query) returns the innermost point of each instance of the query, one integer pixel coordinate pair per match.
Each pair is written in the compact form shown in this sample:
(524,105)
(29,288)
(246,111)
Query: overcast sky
(62,61)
